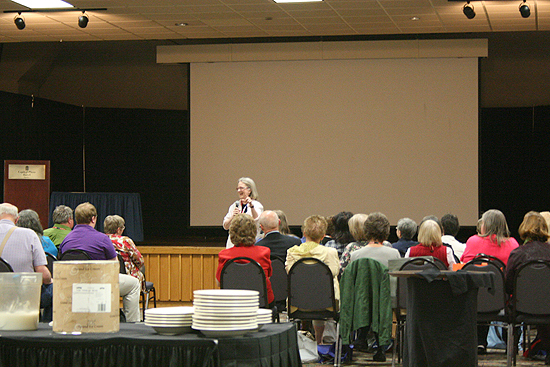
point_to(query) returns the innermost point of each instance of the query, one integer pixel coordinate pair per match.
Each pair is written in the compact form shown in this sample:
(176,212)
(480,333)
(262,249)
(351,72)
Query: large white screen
(392,135)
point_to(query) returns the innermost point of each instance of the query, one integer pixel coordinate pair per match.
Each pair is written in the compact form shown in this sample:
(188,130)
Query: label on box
(91,298)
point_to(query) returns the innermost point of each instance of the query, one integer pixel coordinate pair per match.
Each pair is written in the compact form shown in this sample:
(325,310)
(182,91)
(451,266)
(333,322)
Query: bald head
(8,211)
(269,221)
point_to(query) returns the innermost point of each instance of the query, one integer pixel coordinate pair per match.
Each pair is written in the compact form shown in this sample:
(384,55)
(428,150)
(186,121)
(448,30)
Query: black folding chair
(5,267)
(311,295)
(148,294)
(530,301)
(51,259)
(74,254)
(121,263)
(245,273)
(279,283)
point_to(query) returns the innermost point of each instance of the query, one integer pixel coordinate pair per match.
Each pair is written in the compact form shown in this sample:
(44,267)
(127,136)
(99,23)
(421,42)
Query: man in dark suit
(277,242)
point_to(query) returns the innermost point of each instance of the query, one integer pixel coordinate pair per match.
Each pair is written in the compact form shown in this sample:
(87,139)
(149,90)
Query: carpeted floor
(494,358)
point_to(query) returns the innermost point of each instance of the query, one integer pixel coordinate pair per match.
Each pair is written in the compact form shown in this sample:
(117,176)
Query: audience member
(450,225)
(62,218)
(405,230)
(242,233)
(377,230)
(278,243)
(114,226)
(29,219)
(329,231)
(23,251)
(357,230)
(247,204)
(341,236)
(283,224)
(85,237)
(494,239)
(534,232)
(314,228)
(429,238)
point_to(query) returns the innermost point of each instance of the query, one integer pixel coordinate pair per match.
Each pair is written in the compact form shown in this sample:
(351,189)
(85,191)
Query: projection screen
(397,136)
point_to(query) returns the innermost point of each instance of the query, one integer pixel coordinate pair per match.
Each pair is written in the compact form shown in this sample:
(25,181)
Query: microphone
(237,204)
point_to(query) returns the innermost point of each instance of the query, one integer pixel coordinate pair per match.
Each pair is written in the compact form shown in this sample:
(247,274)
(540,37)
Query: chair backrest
(244,273)
(121,263)
(51,259)
(487,302)
(5,267)
(311,290)
(74,254)
(493,259)
(531,294)
(415,263)
(279,279)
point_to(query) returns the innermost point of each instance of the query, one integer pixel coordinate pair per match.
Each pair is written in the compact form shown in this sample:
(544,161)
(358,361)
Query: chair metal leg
(338,349)
(510,345)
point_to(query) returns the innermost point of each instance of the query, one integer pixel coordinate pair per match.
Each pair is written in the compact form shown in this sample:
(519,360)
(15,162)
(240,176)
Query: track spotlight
(83,20)
(524,9)
(19,21)
(468,10)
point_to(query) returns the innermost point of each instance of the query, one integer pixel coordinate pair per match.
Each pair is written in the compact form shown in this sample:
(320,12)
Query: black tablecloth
(137,345)
(441,327)
(127,205)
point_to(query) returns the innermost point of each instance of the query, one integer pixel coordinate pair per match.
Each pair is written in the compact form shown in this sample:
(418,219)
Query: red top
(259,253)
(420,250)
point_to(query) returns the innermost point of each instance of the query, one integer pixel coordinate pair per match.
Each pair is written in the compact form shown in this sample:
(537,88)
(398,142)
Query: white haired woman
(246,204)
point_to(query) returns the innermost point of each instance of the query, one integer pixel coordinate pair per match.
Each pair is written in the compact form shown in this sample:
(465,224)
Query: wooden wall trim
(177,271)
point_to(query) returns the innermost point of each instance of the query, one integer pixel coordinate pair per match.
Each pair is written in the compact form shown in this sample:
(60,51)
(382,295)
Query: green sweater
(365,300)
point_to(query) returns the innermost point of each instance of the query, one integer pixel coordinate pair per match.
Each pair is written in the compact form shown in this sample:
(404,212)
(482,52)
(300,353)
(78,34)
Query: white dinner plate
(226,333)
(172,330)
(225,322)
(207,327)
(226,312)
(165,311)
(228,293)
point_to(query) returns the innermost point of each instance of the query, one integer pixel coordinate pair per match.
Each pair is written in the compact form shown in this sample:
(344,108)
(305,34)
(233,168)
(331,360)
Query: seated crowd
(26,245)
(358,236)
(338,242)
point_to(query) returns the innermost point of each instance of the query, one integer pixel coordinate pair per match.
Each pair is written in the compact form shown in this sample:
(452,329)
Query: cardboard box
(86,297)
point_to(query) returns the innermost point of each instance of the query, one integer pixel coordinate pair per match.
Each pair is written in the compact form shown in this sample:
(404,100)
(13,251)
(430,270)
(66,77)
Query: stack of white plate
(265,316)
(169,320)
(225,312)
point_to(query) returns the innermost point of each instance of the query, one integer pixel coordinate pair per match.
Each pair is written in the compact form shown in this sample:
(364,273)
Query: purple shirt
(84,237)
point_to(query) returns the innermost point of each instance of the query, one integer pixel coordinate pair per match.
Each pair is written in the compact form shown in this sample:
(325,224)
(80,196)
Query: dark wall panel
(126,150)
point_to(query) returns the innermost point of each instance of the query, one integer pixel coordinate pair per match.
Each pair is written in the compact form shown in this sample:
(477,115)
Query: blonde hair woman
(430,244)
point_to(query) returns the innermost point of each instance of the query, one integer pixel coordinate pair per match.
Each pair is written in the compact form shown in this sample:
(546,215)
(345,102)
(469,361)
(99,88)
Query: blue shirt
(85,237)
(48,245)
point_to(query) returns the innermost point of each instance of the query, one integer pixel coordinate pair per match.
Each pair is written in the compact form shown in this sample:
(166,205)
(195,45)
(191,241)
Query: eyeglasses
(242,188)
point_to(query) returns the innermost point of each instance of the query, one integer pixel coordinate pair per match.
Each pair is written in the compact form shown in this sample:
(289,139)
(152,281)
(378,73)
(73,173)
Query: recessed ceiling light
(181,24)
(43,4)
(414,19)
(295,1)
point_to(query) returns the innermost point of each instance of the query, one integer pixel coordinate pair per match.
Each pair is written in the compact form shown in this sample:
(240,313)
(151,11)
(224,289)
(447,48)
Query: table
(137,345)
(127,205)
(441,326)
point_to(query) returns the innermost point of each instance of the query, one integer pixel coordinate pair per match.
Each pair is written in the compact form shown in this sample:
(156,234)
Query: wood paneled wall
(177,270)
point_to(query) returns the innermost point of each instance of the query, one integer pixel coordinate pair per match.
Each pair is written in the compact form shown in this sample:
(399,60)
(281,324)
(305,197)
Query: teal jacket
(365,300)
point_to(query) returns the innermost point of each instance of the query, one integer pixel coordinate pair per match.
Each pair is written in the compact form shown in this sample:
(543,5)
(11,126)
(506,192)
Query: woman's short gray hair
(251,185)
(407,227)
